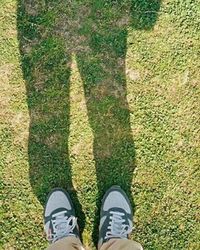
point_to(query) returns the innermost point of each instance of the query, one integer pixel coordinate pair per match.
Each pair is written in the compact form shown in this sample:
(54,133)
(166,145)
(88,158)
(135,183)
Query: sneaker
(115,217)
(59,216)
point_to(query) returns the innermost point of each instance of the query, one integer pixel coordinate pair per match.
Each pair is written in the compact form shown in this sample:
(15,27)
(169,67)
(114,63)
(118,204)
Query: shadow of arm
(144,13)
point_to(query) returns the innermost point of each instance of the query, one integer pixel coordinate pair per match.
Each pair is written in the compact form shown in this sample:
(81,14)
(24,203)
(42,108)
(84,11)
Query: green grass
(94,95)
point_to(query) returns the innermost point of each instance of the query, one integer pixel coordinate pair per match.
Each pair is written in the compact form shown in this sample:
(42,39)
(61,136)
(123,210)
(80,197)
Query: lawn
(96,93)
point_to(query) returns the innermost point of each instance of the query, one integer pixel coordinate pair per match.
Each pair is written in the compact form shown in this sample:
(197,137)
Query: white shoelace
(116,227)
(62,226)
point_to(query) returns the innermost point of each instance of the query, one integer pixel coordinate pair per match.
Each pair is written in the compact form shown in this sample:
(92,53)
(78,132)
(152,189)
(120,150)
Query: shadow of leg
(103,72)
(46,67)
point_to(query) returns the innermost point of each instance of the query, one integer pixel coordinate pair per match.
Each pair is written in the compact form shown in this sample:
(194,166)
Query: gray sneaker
(59,216)
(116,216)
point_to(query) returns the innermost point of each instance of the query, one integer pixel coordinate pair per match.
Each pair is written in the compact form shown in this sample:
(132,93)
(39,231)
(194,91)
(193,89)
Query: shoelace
(62,226)
(116,227)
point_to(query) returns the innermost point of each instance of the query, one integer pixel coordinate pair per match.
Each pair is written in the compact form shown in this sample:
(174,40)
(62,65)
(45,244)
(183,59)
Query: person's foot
(59,216)
(116,216)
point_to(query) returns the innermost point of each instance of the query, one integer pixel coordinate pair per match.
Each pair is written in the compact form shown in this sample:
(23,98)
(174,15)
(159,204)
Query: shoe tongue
(61,226)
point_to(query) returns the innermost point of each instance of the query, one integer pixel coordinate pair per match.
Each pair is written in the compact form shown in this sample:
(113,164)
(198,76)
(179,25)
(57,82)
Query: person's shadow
(96,32)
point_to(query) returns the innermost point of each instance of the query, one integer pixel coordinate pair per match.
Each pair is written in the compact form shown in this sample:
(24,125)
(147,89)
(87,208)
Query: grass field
(95,93)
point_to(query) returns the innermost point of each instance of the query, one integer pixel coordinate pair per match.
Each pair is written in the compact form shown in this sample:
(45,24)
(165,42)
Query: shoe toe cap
(57,199)
(117,200)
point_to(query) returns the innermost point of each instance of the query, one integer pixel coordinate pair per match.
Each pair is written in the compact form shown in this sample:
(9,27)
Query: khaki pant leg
(121,244)
(67,243)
